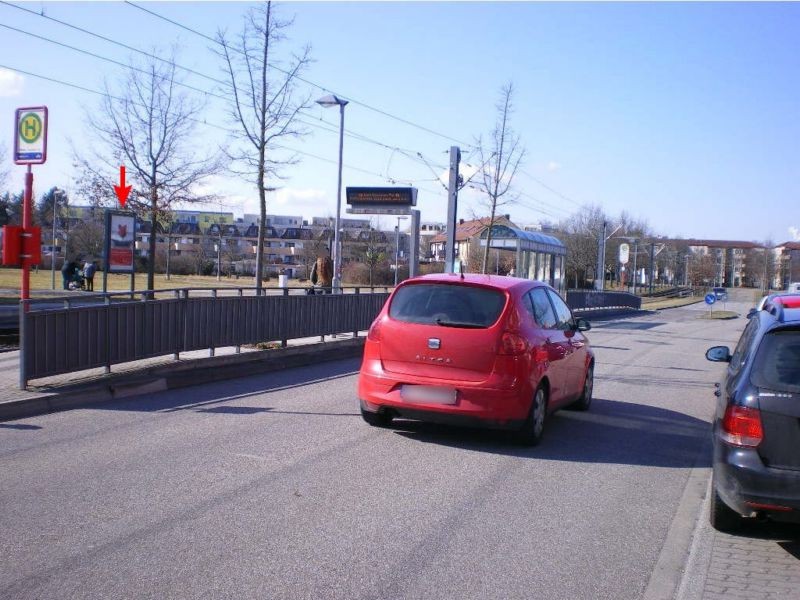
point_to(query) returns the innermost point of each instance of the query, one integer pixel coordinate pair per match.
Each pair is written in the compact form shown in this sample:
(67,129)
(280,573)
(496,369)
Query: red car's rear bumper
(499,401)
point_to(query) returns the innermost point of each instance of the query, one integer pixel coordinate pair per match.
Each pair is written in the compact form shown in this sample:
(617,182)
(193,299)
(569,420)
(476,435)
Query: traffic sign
(710,299)
(30,135)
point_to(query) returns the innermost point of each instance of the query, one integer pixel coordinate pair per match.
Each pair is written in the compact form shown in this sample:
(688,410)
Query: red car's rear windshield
(777,362)
(447,305)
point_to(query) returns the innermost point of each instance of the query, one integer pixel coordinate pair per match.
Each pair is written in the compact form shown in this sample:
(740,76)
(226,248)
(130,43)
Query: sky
(686,115)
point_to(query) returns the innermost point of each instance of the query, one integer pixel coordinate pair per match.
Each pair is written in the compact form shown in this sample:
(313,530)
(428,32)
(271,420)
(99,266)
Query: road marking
(253,456)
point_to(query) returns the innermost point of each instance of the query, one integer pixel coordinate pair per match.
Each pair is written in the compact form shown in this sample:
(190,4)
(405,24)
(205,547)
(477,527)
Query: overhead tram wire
(207,124)
(331,127)
(306,81)
(226,83)
(112,41)
(550,189)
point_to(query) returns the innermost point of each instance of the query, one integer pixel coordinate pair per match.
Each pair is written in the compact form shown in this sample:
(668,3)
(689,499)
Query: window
(777,361)
(447,304)
(541,309)
(742,351)
(563,313)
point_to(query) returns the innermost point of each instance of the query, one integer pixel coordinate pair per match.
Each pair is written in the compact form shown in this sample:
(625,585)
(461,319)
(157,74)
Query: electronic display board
(381,200)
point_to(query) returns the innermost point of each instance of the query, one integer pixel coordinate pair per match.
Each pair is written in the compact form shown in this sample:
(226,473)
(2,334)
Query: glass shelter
(538,256)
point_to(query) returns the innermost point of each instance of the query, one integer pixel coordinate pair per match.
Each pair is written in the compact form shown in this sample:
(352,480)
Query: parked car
(793,288)
(720,292)
(762,303)
(756,435)
(487,350)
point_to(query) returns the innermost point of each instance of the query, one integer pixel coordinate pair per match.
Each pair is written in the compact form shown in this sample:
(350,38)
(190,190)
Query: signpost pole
(413,254)
(26,223)
(452,205)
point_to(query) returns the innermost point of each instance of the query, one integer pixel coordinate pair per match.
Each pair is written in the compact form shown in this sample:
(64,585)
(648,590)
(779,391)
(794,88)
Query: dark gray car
(756,432)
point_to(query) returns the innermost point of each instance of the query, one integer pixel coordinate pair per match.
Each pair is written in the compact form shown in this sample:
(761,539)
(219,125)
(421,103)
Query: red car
(494,351)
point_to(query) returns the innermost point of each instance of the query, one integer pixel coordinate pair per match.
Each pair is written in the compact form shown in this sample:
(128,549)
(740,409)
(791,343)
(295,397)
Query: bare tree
(500,161)
(263,104)
(580,234)
(148,124)
(4,172)
(86,240)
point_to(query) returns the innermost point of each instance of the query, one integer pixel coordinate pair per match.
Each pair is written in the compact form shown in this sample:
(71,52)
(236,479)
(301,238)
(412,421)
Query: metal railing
(593,299)
(63,335)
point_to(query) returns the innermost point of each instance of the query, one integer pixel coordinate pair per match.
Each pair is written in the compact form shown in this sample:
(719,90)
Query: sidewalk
(72,390)
(760,562)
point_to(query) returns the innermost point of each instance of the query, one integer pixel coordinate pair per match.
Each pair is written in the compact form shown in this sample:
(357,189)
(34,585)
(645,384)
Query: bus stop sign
(30,136)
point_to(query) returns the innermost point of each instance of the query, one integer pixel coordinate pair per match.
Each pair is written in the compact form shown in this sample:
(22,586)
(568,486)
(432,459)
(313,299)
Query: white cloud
(795,233)
(11,83)
(553,166)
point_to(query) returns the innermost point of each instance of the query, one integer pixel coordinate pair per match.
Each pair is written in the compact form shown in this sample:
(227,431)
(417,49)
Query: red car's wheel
(585,401)
(533,429)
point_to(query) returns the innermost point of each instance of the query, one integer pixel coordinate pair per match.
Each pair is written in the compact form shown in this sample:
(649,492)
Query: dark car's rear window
(777,362)
(447,305)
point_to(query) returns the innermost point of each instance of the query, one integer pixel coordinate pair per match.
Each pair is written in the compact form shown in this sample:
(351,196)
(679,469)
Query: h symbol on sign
(30,128)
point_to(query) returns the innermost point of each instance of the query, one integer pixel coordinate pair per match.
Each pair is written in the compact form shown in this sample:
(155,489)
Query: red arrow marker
(122,190)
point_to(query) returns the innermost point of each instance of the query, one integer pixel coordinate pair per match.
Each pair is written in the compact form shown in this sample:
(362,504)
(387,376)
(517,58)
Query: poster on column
(120,241)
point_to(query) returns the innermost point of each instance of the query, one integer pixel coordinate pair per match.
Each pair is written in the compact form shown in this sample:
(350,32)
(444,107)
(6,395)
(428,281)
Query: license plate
(428,393)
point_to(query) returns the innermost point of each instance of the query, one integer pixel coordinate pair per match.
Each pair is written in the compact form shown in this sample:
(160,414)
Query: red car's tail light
(513,343)
(741,426)
(374,333)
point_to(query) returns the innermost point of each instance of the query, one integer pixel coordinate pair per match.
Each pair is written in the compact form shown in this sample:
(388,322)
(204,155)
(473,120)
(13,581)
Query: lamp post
(327,102)
(57,193)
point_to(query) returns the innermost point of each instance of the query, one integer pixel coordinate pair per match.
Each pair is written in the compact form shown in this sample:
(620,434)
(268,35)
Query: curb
(668,578)
(179,374)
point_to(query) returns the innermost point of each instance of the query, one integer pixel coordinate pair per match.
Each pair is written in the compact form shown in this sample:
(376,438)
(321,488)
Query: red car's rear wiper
(458,324)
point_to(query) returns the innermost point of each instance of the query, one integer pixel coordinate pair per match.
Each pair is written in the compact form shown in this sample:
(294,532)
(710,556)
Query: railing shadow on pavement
(611,432)
(205,397)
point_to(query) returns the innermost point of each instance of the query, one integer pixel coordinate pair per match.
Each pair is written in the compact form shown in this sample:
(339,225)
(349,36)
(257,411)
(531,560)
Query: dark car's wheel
(722,517)
(377,419)
(531,432)
(585,401)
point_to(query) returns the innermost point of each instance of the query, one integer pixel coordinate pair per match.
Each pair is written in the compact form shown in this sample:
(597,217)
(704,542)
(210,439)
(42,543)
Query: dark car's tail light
(513,343)
(741,426)
(374,333)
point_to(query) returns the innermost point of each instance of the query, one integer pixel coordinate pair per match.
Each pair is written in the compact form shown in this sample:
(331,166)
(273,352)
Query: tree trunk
(262,224)
(489,237)
(151,258)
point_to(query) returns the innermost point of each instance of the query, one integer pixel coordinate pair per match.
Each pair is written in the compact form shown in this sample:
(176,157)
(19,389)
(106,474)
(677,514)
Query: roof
(469,229)
(713,243)
(789,245)
(533,241)
(496,281)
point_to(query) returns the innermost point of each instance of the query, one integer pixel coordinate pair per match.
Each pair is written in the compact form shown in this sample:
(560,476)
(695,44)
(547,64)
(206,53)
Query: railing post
(284,341)
(357,292)
(23,367)
(107,302)
(240,295)
(211,350)
(177,295)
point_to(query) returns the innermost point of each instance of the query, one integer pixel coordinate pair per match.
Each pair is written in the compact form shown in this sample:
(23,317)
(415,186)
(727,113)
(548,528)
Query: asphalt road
(273,487)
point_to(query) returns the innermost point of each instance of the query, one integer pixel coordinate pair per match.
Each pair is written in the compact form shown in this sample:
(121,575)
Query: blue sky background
(684,114)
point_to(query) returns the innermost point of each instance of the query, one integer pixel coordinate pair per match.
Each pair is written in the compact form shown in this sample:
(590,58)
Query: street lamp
(327,102)
(635,242)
